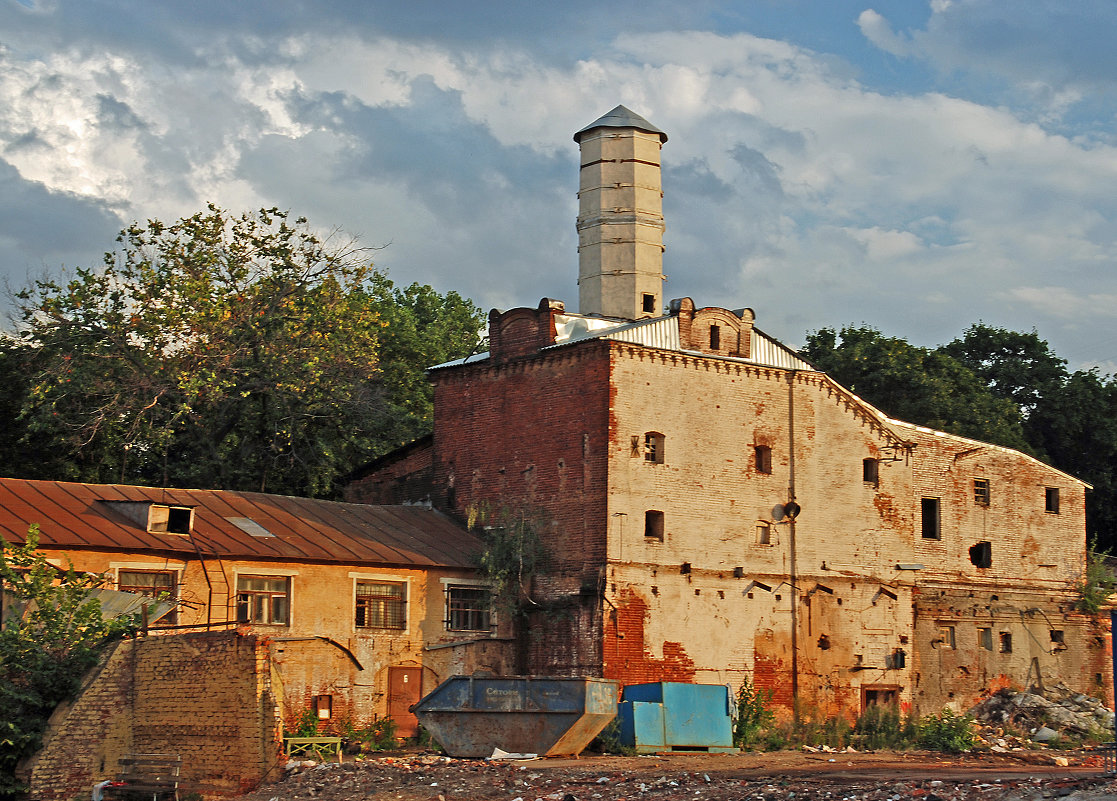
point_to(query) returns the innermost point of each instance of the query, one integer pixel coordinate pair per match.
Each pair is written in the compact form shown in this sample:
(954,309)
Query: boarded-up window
(985,639)
(981,491)
(946,636)
(763,533)
(381,605)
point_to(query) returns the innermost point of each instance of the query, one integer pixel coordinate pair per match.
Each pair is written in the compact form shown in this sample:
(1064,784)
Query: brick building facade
(720,510)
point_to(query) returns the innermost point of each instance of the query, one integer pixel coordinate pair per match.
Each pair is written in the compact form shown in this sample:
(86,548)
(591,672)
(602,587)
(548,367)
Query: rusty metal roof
(239,525)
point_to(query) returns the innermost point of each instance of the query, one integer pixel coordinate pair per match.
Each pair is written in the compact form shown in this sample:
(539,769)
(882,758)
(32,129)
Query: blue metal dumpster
(671,716)
(470,716)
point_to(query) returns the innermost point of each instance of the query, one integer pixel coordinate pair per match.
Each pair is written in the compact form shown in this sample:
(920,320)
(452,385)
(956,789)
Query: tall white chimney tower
(620,217)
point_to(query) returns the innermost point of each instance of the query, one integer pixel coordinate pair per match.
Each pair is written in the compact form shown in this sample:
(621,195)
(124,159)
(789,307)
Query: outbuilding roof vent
(157,518)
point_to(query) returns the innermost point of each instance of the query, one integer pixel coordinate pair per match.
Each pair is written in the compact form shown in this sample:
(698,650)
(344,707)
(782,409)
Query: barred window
(468,608)
(263,599)
(381,605)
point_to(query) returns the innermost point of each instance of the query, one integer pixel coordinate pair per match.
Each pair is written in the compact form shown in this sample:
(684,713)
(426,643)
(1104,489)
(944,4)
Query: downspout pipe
(792,566)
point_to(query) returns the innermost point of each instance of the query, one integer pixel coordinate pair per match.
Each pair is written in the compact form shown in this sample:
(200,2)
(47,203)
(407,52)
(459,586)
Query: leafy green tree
(917,385)
(239,352)
(51,633)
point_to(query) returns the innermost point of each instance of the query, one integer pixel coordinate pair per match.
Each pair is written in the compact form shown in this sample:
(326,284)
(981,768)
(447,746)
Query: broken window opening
(263,600)
(1051,500)
(932,526)
(715,337)
(648,303)
(653,447)
(1006,642)
(1058,641)
(381,605)
(981,491)
(896,660)
(985,639)
(870,471)
(324,706)
(763,458)
(468,608)
(879,696)
(763,533)
(159,585)
(981,555)
(653,525)
(163,519)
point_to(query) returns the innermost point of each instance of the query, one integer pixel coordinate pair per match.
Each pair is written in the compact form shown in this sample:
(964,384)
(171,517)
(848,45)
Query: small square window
(985,639)
(468,608)
(870,471)
(1058,641)
(653,525)
(1051,500)
(946,636)
(763,458)
(1006,642)
(648,303)
(931,524)
(981,492)
(324,706)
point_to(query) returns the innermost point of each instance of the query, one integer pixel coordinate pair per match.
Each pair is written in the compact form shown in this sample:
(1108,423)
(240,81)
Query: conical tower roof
(622,117)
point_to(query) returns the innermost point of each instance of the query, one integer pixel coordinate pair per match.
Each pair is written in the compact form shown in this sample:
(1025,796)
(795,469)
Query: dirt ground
(790,775)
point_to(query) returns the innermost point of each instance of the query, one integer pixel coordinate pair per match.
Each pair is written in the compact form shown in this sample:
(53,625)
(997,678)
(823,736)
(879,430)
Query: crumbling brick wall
(205,697)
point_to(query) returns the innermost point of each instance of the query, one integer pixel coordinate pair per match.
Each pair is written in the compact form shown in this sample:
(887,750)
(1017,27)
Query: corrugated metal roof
(73,515)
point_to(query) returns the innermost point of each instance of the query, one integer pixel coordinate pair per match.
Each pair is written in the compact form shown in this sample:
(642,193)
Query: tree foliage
(918,385)
(52,632)
(239,352)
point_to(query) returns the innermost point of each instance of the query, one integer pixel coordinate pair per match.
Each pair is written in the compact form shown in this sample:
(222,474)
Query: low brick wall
(206,697)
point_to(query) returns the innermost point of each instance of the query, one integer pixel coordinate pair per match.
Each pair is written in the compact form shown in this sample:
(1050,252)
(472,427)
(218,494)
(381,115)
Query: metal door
(404,689)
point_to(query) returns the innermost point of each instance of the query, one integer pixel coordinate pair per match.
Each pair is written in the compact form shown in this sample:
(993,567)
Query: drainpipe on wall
(791,545)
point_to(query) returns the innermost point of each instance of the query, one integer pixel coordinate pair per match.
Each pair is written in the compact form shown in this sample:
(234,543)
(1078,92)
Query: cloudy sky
(917,166)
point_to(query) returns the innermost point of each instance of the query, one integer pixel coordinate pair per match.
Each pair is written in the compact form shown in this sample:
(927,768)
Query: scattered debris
(1047,713)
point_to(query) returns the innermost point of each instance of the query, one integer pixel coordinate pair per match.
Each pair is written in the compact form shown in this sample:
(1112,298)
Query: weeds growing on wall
(1098,582)
(513,553)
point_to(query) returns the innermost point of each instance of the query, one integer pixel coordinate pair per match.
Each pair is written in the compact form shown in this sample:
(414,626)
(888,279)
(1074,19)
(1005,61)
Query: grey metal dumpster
(470,716)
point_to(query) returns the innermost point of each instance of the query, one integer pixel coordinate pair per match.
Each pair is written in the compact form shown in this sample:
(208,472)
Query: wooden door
(404,689)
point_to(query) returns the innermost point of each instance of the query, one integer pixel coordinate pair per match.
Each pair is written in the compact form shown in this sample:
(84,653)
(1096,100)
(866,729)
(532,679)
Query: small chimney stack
(620,217)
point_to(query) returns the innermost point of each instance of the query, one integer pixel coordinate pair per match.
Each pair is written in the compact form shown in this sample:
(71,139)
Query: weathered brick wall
(402,477)
(206,697)
(531,435)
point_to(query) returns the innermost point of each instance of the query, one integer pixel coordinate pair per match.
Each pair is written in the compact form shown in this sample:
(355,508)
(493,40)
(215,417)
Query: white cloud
(877,30)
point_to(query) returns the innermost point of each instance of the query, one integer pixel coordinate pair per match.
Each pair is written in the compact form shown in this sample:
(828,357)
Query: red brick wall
(530,434)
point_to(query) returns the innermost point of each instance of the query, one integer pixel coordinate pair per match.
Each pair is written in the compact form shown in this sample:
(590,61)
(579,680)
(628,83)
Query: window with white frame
(381,605)
(264,600)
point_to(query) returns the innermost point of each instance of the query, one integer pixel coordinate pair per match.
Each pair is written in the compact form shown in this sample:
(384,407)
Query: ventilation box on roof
(157,518)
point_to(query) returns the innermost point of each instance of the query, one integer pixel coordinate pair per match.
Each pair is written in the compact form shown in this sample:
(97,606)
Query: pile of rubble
(1044,714)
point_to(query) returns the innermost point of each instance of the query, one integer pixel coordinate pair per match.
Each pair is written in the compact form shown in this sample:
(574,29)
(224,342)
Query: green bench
(320,747)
